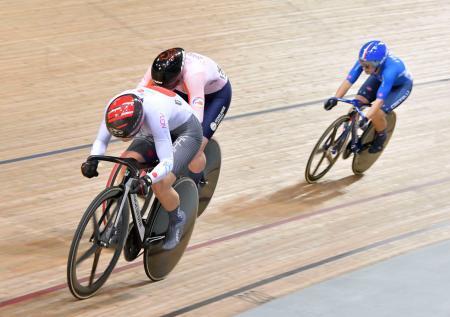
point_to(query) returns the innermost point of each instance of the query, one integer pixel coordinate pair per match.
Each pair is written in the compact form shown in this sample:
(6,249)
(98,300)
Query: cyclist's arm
(354,73)
(343,89)
(195,86)
(388,79)
(352,77)
(101,141)
(158,123)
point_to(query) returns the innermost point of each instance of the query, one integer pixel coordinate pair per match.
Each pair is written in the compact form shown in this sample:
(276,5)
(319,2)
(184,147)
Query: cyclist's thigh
(397,96)
(187,141)
(216,107)
(145,146)
(369,89)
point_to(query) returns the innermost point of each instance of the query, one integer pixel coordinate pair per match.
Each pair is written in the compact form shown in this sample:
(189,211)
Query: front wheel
(327,149)
(97,243)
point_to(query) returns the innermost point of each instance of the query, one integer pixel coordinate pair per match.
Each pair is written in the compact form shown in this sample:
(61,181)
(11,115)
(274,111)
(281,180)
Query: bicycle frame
(352,127)
(131,176)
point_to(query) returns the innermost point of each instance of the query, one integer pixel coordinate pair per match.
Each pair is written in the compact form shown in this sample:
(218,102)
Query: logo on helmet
(124,116)
(116,132)
(168,54)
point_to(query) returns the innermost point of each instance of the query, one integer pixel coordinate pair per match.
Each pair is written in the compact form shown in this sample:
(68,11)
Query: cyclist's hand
(89,169)
(330,103)
(141,186)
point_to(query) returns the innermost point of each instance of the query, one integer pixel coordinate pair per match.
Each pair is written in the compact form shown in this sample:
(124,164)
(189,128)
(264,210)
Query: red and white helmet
(124,116)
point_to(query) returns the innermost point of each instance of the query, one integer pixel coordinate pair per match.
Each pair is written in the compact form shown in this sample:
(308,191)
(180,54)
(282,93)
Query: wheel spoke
(96,232)
(105,218)
(329,156)
(105,214)
(320,162)
(88,253)
(324,149)
(327,143)
(94,265)
(333,134)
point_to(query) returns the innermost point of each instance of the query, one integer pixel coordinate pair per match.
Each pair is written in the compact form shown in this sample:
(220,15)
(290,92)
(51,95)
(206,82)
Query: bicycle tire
(364,160)
(158,263)
(74,284)
(212,173)
(313,177)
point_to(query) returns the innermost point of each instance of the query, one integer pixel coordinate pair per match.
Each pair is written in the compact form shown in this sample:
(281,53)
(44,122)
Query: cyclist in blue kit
(388,86)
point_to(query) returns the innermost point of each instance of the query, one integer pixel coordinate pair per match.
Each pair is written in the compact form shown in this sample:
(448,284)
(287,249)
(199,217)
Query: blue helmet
(373,52)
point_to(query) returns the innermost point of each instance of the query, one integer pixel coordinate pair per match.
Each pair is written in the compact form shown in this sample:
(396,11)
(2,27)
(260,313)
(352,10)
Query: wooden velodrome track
(266,233)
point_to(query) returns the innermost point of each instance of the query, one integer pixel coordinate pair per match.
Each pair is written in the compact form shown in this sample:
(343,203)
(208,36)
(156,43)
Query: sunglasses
(367,64)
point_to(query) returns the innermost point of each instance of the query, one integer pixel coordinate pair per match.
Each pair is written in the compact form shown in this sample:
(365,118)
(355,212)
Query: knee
(198,162)
(164,185)
(159,188)
(132,154)
(379,113)
(200,156)
(363,99)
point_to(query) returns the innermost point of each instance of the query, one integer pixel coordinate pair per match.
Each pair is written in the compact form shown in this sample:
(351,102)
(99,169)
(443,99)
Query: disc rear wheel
(364,160)
(158,263)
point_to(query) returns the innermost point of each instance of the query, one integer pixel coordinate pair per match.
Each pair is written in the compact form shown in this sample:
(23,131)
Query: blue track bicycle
(349,134)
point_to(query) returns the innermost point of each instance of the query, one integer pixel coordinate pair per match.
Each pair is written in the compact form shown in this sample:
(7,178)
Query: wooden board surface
(267,232)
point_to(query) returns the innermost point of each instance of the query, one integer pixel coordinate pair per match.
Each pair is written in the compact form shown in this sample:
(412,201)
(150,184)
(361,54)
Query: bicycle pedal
(152,240)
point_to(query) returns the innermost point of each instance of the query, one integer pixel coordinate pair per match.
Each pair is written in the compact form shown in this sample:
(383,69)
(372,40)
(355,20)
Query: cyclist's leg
(368,91)
(167,196)
(397,96)
(216,107)
(141,149)
(186,144)
(198,163)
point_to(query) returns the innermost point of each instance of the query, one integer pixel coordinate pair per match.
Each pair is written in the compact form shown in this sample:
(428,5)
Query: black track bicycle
(349,134)
(105,228)
(206,186)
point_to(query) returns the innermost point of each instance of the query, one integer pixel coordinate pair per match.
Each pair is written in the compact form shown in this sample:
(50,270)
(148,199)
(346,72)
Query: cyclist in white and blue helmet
(388,85)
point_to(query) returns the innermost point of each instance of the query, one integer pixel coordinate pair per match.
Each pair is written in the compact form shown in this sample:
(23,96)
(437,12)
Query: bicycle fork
(341,139)
(137,218)
(111,233)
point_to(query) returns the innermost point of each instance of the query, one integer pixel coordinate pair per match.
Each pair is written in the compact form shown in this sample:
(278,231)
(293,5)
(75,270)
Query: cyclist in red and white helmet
(152,118)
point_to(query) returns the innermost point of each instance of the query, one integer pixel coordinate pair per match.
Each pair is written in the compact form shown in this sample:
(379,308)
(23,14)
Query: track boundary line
(42,292)
(230,118)
(304,268)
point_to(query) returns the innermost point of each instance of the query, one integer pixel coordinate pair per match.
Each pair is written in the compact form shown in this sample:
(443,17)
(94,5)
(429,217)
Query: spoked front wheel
(327,149)
(97,243)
